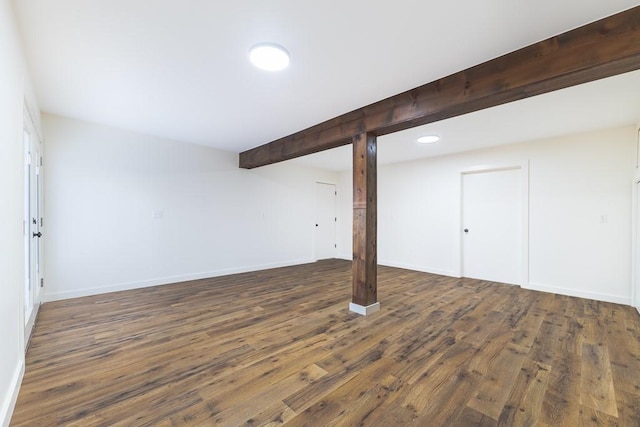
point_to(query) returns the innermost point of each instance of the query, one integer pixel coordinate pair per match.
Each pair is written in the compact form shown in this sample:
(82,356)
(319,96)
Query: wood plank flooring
(280,347)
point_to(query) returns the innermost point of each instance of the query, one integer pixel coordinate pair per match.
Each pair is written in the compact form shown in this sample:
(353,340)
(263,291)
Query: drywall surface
(126,210)
(579,214)
(15,90)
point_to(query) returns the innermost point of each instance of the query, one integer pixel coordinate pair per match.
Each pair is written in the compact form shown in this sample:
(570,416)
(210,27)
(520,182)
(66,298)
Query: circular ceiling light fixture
(269,57)
(428,139)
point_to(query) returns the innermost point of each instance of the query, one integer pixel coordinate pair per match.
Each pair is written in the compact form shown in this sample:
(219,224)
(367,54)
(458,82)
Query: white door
(28,243)
(325,221)
(36,222)
(32,226)
(491,222)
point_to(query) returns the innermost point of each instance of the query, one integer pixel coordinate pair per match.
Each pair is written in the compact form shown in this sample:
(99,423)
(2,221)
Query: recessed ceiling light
(428,139)
(269,57)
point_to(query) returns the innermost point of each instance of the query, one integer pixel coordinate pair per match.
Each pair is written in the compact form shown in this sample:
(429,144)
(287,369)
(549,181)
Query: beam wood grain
(365,199)
(594,51)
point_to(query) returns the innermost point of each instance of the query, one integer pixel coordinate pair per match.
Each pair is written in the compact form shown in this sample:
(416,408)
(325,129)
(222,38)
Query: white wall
(345,215)
(104,186)
(574,180)
(14,89)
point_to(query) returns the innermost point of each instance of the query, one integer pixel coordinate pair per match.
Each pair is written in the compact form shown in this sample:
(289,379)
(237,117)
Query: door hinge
(335,246)
(335,219)
(42,282)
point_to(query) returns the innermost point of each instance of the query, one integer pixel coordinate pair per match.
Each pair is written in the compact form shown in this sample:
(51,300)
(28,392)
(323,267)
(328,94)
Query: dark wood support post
(365,258)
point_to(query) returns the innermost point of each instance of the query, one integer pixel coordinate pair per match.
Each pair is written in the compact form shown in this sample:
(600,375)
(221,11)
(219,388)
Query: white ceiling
(179,69)
(601,104)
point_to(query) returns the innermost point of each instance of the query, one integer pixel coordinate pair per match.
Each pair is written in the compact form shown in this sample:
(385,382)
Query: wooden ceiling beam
(601,49)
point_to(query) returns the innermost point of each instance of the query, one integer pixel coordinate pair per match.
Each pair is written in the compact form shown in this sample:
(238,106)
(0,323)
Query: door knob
(466,230)
(38,234)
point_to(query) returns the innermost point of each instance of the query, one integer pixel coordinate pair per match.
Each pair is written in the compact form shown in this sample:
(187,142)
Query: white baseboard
(598,296)
(11,397)
(362,310)
(56,296)
(422,269)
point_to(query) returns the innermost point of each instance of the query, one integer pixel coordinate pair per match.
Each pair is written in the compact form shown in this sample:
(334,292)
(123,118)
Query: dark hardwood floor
(280,347)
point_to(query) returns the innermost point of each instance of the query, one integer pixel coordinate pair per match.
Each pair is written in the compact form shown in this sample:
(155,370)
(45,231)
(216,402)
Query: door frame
(335,209)
(635,241)
(35,168)
(523,282)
